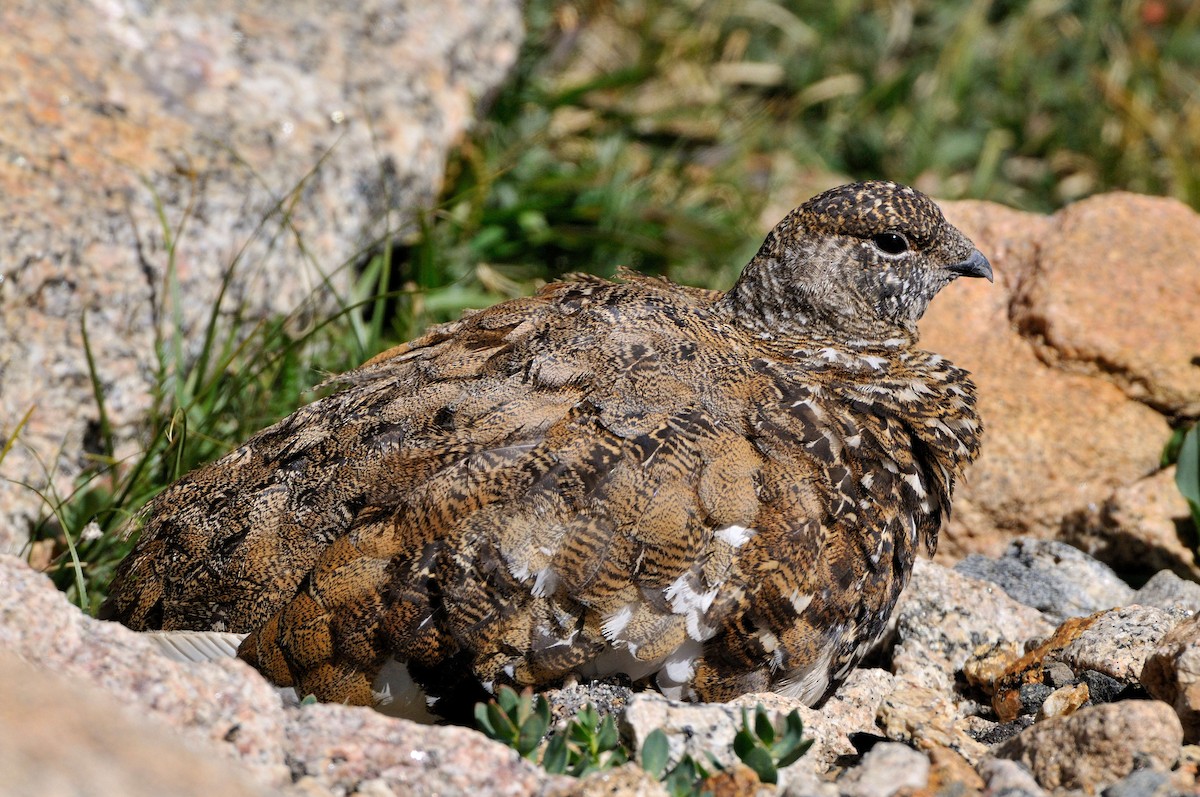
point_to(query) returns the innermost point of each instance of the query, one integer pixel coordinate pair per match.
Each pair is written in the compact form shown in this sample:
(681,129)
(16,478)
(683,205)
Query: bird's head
(861,261)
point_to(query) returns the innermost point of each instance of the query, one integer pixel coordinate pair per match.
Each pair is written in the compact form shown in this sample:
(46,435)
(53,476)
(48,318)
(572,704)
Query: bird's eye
(890,243)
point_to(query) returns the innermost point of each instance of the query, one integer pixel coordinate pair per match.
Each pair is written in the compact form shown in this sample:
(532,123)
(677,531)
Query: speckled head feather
(712,493)
(864,259)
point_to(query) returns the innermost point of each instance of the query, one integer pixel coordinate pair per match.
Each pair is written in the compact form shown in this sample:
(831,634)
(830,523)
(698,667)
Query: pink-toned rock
(344,748)
(224,703)
(1098,745)
(224,710)
(58,739)
(1118,642)
(1055,441)
(285,137)
(704,729)
(1144,526)
(1114,295)
(1172,674)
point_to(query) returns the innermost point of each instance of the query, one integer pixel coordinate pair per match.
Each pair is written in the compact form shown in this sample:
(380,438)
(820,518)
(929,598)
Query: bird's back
(601,478)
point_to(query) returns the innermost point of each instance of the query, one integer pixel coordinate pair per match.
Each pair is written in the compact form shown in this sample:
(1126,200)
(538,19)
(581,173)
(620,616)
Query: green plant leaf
(788,758)
(762,725)
(655,753)
(1187,469)
(532,731)
(554,759)
(758,759)
(483,720)
(744,742)
(1170,452)
(508,699)
(503,725)
(607,738)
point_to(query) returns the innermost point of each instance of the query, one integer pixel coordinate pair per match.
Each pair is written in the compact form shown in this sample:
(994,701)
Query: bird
(709,493)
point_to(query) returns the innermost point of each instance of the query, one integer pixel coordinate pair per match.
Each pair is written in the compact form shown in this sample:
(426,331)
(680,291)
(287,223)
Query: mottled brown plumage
(722,493)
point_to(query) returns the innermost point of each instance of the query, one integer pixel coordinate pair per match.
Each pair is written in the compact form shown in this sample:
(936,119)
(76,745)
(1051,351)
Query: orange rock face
(1082,350)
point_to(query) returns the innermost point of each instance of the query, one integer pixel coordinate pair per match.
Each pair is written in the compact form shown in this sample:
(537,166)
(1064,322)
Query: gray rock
(945,616)
(1139,783)
(704,729)
(800,782)
(1098,745)
(1052,577)
(1172,674)
(1165,590)
(285,137)
(1006,778)
(1118,643)
(1059,674)
(886,769)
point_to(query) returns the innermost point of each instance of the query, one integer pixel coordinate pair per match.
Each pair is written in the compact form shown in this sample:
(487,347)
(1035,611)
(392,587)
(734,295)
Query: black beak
(974,266)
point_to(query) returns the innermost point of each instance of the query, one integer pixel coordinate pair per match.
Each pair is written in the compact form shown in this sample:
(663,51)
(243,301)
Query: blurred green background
(669,135)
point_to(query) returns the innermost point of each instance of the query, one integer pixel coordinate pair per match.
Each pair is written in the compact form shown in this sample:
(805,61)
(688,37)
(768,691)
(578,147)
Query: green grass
(668,135)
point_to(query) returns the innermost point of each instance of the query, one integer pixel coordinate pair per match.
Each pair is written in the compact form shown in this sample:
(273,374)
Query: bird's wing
(597,479)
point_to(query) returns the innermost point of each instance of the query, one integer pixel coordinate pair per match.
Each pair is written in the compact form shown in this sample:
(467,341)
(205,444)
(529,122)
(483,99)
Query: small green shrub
(590,743)
(519,721)
(766,749)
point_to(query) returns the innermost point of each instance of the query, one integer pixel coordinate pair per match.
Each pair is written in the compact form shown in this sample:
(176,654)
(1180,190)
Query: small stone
(1139,783)
(1032,696)
(1165,590)
(984,668)
(1058,674)
(1009,778)
(927,718)
(993,733)
(1102,688)
(1172,674)
(800,782)
(1119,642)
(951,774)
(945,617)
(1030,668)
(628,780)
(1052,577)
(738,780)
(1064,701)
(886,769)
(1098,745)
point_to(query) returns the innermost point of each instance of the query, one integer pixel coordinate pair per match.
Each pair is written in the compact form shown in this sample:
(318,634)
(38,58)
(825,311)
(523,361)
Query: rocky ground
(1036,672)
(1020,662)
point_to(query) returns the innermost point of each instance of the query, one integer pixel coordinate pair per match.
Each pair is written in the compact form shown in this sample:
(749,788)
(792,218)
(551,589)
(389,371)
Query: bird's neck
(775,304)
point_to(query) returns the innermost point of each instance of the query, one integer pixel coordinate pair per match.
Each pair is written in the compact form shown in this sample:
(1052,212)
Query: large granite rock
(222,712)
(1081,349)
(145,148)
